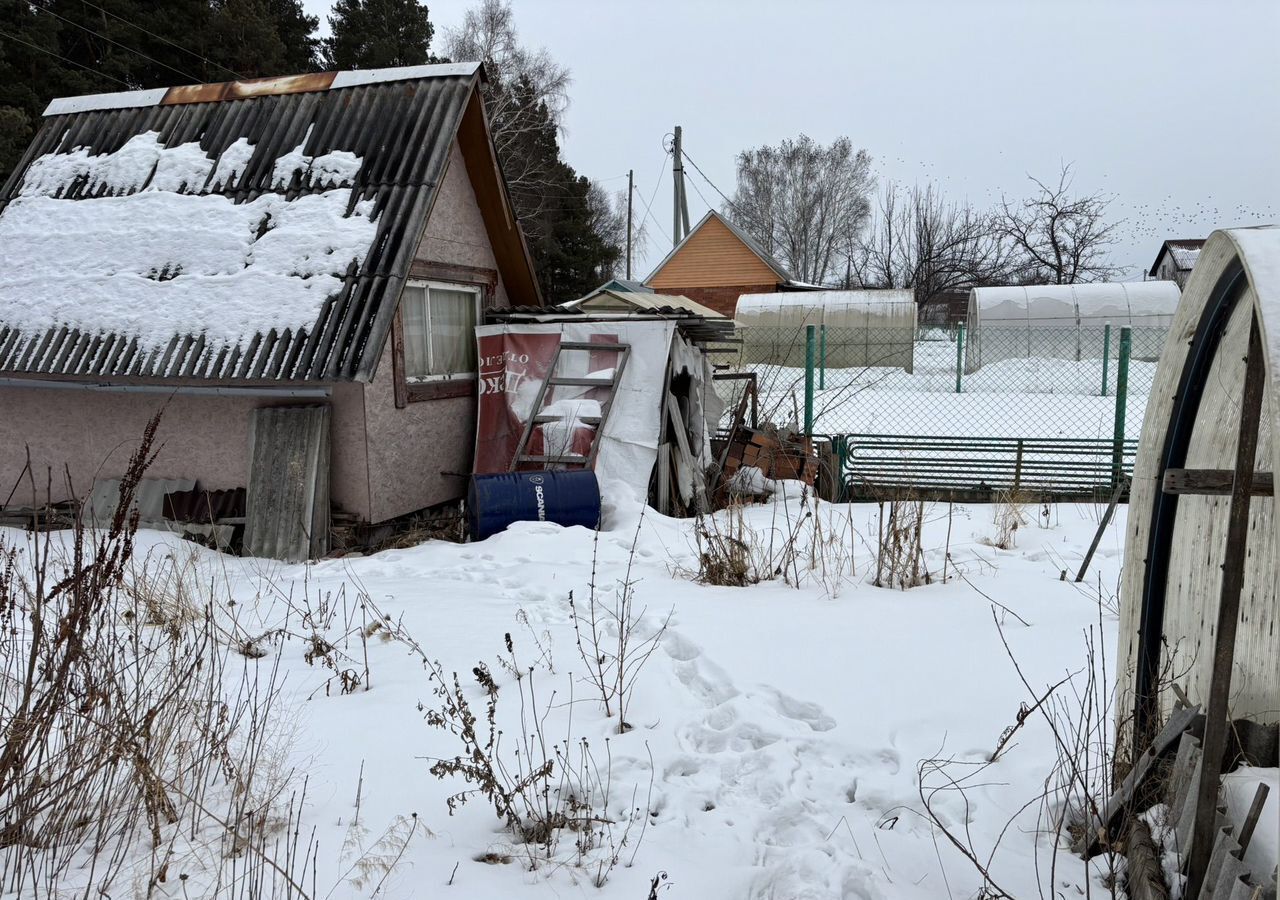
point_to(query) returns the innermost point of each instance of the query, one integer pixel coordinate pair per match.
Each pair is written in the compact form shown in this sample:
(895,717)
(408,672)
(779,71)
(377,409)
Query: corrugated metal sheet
(148,500)
(204,506)
(402,130)
(288,507)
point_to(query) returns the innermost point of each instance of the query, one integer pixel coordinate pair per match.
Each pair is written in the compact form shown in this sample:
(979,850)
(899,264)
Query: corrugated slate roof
(1185,251)
(401,129)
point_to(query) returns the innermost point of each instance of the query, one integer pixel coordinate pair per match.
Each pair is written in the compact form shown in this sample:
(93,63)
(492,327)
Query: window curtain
(413,307)
(452,331)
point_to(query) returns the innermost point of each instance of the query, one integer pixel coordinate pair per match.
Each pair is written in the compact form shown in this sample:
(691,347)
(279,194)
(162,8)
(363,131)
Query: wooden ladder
(552,380)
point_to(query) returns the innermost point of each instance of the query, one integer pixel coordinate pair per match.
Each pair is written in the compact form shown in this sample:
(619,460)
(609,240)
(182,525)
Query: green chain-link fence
(1043,407)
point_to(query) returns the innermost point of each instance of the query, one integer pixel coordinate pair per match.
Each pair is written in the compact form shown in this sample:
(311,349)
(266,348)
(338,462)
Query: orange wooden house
(716,263)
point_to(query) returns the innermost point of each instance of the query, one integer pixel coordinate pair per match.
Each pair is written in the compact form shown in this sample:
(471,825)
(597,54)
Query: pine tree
(61,48)
(258,38)
(372,34)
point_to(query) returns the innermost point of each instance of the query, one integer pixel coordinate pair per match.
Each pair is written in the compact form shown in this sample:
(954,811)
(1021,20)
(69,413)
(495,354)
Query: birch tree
(805,202)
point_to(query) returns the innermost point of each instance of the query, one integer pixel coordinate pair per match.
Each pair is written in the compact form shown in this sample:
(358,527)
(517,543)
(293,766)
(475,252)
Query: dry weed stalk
(900,559)
(613,637)
(127,760)
(804,541)
(1077,712)
(1009,514)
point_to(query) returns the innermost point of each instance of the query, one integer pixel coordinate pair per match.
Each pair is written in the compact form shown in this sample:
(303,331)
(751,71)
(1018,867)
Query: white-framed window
(439,321)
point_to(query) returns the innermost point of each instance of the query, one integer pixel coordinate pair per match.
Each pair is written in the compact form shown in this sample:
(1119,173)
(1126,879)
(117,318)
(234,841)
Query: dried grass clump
(126,762)
(900,561)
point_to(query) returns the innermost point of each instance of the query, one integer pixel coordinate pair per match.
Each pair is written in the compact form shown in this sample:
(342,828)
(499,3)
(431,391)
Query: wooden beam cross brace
(1214,482)
(1216,723)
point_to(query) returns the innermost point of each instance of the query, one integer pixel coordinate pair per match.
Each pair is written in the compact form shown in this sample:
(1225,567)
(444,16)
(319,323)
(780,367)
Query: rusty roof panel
(243,90)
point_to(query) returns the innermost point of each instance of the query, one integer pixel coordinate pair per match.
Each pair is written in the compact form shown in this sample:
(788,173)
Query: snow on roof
(1116,301)
(641,300)
(1184,257)
(1184,251)
(750,303)
(266,236)
(256,87)
(156,256)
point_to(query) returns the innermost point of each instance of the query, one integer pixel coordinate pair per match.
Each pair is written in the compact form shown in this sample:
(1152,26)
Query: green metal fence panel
(808,378)
(1039,385)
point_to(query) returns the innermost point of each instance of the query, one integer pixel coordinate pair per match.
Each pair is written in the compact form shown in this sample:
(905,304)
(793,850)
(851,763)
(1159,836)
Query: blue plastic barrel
(564,497)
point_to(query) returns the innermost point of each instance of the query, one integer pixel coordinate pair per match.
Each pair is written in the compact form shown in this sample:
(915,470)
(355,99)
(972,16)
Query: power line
(14,37)
(662,167)
(108,12)
(118,44)
(686,155)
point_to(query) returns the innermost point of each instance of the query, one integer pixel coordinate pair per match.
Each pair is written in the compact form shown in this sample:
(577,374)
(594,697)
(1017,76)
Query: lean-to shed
(1177,547)
(1065,321)
(863,328)
(232,251)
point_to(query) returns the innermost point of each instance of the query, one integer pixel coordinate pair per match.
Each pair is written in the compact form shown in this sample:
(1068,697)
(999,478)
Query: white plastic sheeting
(1063,321)
(864,328)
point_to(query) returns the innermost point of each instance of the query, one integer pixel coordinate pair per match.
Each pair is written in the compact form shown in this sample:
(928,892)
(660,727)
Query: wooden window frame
(406,392)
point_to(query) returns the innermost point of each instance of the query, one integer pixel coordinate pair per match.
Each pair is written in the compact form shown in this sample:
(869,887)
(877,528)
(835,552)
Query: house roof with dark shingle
(245,230)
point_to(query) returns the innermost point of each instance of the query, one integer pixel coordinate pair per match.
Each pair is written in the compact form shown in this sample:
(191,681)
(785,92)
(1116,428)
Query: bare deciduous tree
(804,202)
(526,97)
(1063,238)
(920,240)
(607,216)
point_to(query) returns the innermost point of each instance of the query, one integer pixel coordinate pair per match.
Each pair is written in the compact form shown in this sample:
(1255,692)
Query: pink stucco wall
(93,433)
(418,455)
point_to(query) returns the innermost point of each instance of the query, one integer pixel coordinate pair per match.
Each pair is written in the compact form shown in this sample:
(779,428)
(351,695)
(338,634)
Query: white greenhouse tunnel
(872,328)
(1067,321)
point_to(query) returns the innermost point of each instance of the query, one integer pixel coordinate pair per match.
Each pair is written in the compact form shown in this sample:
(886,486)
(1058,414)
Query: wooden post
(631,179)
(960,358)
(1216,724)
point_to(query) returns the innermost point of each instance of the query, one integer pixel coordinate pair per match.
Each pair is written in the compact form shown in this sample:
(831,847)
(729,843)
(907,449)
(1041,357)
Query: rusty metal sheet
(254,87)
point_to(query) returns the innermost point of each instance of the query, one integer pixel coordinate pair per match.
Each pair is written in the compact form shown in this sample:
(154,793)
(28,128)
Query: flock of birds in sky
(1142,227)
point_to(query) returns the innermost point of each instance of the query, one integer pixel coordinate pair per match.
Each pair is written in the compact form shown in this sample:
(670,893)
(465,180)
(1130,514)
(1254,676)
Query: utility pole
(631,174)
(679,200)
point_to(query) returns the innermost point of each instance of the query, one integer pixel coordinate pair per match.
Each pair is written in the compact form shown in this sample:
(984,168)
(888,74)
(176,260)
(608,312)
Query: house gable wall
(419,455)
(713,256)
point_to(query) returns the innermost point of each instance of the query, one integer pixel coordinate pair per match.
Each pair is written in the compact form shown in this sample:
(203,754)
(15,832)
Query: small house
(291,269)
(1175,260)
(716,263)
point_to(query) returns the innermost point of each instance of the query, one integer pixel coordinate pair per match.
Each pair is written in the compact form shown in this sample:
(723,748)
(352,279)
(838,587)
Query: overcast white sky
(1173,106)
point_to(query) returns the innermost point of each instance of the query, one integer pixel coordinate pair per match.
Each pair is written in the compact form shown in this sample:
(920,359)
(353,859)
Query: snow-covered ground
(777,730)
